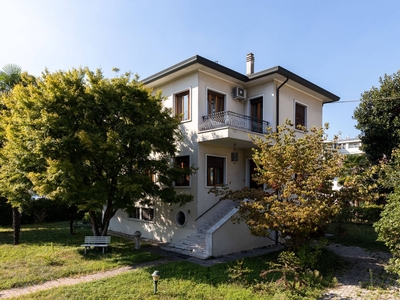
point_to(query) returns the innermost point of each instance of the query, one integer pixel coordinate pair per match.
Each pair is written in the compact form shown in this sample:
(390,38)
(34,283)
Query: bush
(388,228)
(367,215)
(42,209)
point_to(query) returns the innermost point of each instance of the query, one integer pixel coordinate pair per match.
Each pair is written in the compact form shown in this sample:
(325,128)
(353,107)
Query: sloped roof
(276,72)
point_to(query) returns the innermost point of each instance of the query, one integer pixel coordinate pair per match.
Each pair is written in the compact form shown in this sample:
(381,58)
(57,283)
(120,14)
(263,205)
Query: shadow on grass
(121,251)
(37,234)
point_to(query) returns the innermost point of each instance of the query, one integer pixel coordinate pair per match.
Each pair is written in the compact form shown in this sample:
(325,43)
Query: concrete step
(197,254)
(187,250)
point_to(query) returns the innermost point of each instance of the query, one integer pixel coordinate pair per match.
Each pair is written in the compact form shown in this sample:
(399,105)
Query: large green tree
(378,118)
(388,227)
(297,173)
(92,141)
(10,76)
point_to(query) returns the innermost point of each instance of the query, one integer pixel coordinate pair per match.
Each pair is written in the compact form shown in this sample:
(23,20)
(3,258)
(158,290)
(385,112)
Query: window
(215,102)
(180,218)
(256,113)
(354,145)
(142,213)
(300,115)
(215,170)
(183,162)
(182,105)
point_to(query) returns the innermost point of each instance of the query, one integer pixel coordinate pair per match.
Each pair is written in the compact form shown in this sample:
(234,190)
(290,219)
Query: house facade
(220,108)
(349,146)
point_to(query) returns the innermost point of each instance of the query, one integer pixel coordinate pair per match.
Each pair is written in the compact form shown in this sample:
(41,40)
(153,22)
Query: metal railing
(233,120)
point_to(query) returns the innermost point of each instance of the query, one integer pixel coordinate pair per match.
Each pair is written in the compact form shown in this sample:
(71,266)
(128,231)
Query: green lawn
(48,252)
(185,280)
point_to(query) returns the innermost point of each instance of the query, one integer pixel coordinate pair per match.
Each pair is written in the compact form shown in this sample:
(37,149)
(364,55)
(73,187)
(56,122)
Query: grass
(184,280)
(49,252)
(356,235)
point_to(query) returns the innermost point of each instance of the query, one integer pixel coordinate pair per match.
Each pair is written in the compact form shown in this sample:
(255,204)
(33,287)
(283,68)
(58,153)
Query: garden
(49,252)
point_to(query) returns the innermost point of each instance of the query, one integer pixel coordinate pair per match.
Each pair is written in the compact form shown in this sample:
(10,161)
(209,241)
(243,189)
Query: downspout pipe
(277,102)
(277,124)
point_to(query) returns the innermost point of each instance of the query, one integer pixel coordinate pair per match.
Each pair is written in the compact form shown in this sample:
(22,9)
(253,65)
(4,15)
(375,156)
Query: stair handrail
(208,210)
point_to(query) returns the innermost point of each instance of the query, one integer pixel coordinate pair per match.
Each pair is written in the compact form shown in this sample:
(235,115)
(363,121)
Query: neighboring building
(349,146)
(220,108)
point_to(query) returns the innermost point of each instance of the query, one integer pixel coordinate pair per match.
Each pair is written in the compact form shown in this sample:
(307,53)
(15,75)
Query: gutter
(277,102)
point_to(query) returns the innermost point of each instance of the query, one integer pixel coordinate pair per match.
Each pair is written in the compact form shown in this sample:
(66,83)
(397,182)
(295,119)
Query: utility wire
(379,99)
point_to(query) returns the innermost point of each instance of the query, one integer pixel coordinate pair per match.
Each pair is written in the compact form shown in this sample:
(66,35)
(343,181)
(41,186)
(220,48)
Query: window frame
(216,93)
(298,103)
(188,165)
(139,210)
(175,105)
(224,171)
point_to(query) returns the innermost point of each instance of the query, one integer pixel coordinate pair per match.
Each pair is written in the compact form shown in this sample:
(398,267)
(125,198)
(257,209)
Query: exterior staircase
(195,244)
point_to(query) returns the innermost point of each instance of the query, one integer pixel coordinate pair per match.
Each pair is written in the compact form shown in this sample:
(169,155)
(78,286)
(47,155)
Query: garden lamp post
(156,277)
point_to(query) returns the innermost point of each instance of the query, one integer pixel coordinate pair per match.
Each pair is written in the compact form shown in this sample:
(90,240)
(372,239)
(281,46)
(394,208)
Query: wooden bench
(96,241)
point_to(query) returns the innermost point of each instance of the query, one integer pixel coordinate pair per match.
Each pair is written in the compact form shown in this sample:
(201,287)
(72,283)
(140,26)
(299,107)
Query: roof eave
(194,60)
(292,76)
(197,59)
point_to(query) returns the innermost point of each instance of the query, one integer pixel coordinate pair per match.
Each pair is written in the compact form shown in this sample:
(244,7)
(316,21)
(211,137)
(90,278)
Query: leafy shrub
(368,214)
(388,228)
(238,273)
(309,255)
(42,209)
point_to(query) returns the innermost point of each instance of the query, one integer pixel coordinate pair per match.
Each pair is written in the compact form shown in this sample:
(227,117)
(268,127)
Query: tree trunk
(72,216)
(16,224)
(108,214)
(93,220)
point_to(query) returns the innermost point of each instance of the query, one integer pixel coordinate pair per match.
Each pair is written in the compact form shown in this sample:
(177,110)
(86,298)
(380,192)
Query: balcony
(229,119)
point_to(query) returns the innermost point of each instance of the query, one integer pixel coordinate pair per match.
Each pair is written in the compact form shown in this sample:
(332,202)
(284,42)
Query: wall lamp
(234,154)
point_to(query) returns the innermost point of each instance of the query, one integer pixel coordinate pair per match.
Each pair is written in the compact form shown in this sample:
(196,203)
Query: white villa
(349,146)
(220,108)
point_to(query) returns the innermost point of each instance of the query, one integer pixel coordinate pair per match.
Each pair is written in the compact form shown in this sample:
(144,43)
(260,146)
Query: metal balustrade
(233,120)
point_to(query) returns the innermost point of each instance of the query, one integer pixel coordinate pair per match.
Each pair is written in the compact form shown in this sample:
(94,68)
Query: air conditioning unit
(239,93)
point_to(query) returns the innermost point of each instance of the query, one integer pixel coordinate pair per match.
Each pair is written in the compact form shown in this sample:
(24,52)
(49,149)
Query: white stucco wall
(224,242)
(287,97)
(267,91)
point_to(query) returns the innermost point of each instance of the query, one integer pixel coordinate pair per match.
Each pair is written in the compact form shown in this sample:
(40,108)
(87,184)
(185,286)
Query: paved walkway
(353,280)
(363,277)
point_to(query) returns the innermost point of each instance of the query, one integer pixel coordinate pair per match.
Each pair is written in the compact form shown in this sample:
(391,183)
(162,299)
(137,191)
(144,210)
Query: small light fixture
(156,277)
(234,154)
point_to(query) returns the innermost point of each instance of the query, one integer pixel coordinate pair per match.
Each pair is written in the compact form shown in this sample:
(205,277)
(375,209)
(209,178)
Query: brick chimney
(250,64)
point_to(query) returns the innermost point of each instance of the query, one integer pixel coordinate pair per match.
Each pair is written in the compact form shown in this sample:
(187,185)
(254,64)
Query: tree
(359,180)
(10,76)
(388,227)
(378,118)
(94,142)
(298,174)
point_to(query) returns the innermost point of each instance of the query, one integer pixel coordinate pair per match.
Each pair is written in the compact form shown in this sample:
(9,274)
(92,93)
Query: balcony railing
(233,120)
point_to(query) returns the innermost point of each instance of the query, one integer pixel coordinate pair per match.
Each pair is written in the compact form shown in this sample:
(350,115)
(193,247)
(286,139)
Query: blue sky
(343,46)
